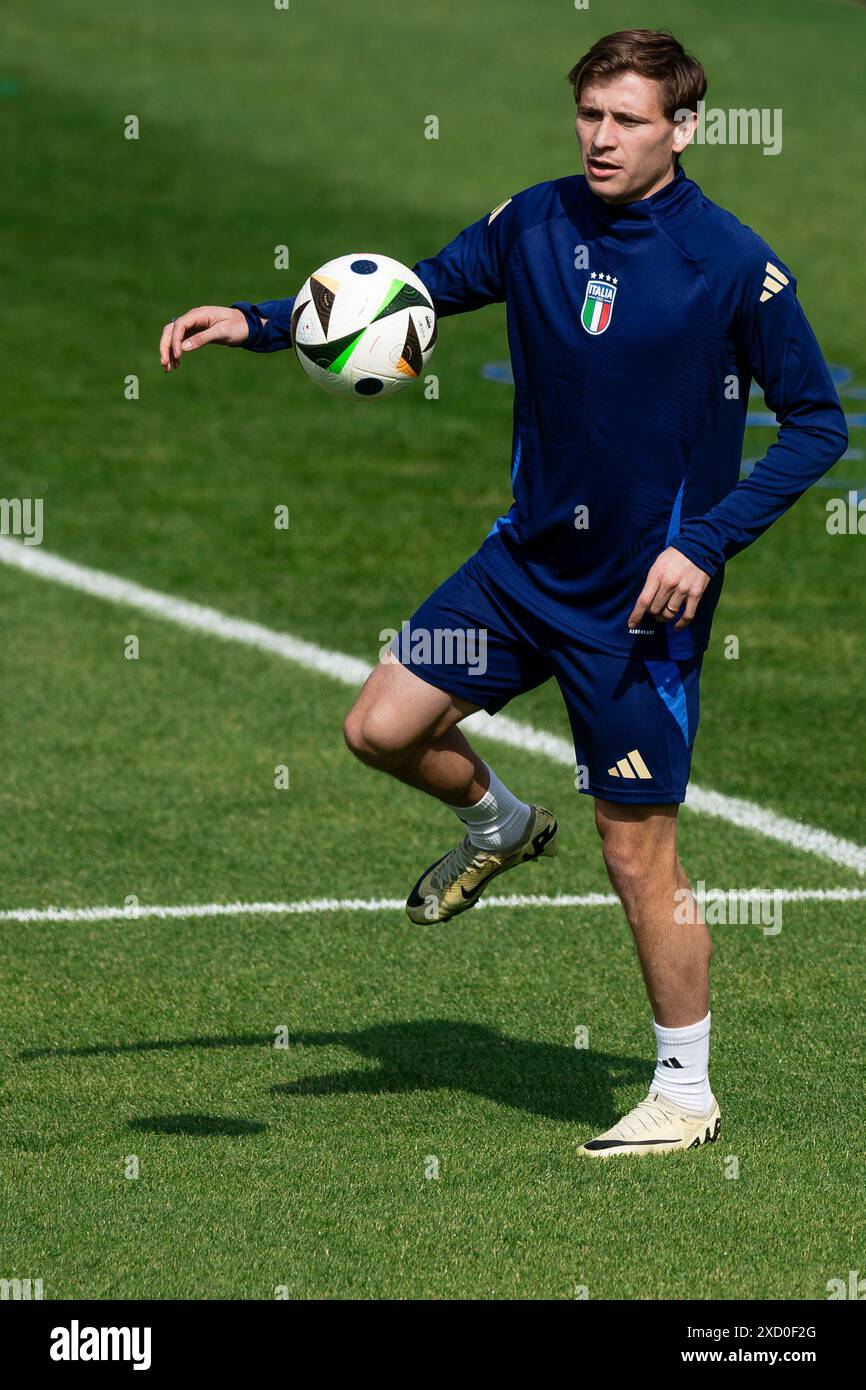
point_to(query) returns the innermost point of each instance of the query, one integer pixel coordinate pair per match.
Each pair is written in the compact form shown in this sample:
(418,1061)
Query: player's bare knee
(353,730)
(624,862)
(356,736)
(374,736)
(633,860)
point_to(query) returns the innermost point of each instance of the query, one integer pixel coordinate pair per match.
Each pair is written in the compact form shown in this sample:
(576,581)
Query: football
(363,325)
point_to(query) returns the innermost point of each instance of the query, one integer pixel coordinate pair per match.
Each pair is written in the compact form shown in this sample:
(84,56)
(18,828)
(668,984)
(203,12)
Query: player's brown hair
(653,53)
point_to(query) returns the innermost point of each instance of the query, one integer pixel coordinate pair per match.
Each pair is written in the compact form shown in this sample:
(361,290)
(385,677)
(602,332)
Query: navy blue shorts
(633,719)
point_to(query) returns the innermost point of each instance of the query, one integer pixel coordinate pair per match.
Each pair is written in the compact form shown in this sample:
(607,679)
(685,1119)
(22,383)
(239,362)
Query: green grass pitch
(311,1166)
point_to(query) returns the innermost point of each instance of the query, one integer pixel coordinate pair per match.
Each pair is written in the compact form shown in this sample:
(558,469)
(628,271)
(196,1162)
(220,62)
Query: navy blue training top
(635,331)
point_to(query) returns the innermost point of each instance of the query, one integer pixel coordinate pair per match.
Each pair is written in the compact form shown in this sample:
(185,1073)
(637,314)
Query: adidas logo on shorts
(632,765)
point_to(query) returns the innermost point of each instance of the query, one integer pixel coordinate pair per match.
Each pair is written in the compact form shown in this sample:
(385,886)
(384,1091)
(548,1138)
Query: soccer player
(639,312)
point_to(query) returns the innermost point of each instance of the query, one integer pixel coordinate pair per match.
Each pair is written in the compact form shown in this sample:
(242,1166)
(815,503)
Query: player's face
(627,143)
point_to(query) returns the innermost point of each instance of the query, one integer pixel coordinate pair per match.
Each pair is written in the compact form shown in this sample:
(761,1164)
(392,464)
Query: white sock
(499,820)
(682,1068)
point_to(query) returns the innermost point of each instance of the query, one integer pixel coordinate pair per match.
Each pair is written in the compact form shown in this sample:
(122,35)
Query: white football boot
(656,1126)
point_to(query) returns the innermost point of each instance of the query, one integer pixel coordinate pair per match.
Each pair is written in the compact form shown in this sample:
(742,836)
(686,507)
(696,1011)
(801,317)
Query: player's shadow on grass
(559,1082)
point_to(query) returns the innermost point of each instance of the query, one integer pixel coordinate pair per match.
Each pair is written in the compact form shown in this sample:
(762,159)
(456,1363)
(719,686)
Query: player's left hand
(673,586)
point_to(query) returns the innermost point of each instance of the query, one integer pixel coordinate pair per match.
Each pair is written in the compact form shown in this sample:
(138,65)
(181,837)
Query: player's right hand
(209,323)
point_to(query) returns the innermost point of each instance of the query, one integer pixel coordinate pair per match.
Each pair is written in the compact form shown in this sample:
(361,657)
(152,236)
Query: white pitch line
(311,906)
(348,670)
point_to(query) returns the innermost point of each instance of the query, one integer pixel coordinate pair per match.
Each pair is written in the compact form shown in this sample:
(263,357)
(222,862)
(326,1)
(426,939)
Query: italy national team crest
(598,303)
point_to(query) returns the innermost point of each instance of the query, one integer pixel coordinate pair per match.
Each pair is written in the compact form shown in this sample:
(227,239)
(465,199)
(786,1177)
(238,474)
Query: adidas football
(363,325)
